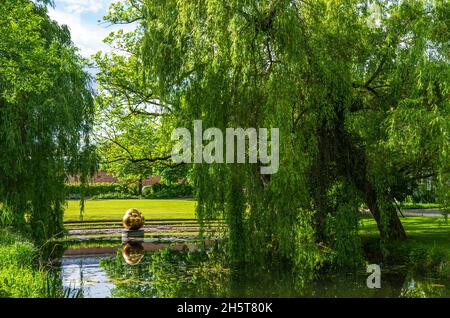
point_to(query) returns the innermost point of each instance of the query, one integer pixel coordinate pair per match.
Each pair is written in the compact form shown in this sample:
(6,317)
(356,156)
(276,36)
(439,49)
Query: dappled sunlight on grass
(425,231)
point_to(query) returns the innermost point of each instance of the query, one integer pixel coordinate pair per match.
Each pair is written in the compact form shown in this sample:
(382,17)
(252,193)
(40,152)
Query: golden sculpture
(133,220)
(132,253)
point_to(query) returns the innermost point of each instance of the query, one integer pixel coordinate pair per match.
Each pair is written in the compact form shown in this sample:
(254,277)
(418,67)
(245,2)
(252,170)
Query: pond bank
(21,276)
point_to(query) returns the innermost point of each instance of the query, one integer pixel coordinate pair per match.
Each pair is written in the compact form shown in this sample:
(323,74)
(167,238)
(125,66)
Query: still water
(86,274)
(181,270)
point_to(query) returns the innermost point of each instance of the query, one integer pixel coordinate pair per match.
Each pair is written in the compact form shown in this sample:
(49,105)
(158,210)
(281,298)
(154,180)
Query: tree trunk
(140,186)
(388,222)
(322,176)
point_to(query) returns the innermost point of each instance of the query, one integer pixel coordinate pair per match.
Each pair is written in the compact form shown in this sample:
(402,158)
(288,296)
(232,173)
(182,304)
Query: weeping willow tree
(358,90)
(45,118)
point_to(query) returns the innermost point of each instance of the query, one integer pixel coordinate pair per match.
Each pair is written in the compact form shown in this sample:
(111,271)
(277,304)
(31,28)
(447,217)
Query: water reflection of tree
(130,281)
(170,274)
(167,273)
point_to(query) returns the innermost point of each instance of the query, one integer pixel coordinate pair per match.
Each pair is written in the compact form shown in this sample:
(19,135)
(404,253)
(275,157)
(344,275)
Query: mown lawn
(425,232)
(115,209)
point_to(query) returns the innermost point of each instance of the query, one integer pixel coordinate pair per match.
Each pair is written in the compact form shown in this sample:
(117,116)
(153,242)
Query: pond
(157,270)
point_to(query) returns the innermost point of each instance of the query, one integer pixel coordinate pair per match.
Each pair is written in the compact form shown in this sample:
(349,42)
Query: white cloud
(88,37)
(81,16)
(82,6)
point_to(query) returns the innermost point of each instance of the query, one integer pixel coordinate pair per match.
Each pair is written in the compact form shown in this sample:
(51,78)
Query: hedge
(167,191)
(121,191)
(73,190)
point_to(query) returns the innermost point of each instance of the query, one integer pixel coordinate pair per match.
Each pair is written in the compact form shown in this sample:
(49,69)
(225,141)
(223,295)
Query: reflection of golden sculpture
(132,253)
(133,220)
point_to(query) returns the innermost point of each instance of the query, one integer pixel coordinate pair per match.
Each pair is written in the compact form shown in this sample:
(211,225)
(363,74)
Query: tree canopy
(46,114)
(133,122)
(361,101)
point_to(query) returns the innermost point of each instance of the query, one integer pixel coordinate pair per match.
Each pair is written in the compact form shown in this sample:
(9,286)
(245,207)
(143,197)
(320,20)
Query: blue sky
(82,16)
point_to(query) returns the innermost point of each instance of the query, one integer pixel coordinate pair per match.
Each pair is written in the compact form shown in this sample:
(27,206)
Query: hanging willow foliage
(46,112)
(335,80)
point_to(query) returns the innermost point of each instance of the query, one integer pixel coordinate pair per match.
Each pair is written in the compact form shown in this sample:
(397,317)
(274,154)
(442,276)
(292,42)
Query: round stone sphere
(133,220)
(132,253)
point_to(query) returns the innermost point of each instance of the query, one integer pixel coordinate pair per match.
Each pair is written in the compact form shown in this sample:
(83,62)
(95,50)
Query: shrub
(418,257)
(74,190)
(422,195)
(103,191)
(117,196)
(168,191)
(426,259)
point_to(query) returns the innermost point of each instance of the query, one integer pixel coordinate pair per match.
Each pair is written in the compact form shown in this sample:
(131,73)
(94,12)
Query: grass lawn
(115,209)
(429,233)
